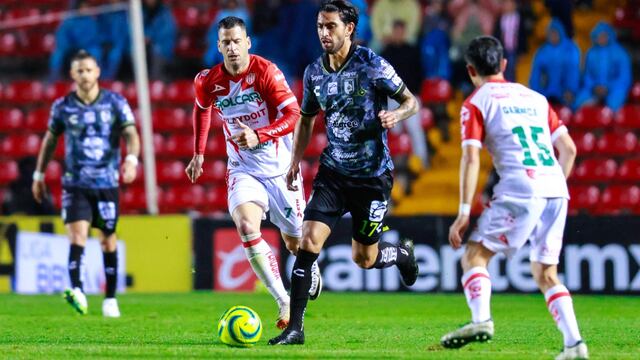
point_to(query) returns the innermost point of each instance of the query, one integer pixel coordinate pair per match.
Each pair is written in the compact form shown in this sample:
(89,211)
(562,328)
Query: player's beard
(337,45)
(87,86)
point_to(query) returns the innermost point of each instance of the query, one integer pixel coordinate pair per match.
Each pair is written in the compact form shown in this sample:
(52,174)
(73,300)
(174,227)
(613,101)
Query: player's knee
(363,261)
(545,276)
(292,246)
(475,255)
(246,227)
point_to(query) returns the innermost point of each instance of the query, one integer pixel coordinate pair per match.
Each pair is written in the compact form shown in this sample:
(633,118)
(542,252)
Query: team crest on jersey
(105,116)
(333,88)
(250,78)
(349,86)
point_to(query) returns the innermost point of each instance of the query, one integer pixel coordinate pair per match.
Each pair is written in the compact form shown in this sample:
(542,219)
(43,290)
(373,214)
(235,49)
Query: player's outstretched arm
(130,164)
(301,138)
(469,168)
(408,107)
(566,153)
(47,149)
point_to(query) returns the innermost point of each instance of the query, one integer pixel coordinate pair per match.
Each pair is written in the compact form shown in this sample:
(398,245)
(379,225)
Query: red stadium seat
(435,91)
(38,45)
(595,170)
(628,117)
(399,144)
(426,118)
(185,198)
(53,175)
(171,120)
(187,17)
(214,171)
(156,91)
(216,146)
(158,146)
(169,172)
(11,120)
(618,199)
(18,146)
(215,198)
(130,92)
(584,197)
(180,92)
(316,145)
(9,173)
(318,125)
(57,90)
(133,198)
(617,143)
(297,87)
(179,145)
(634,95)
(24,92)
(8,44)
(564,113)
(38,120)
(59,153)
(592,117)
(585,143)
(629,171)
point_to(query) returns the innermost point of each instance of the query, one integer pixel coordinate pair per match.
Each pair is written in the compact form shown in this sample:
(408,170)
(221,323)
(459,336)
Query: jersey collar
(79,101)
(326,64)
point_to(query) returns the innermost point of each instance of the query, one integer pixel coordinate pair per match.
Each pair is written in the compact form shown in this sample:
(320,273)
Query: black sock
(110,272)
(76,253)
(389,255)
(300,285)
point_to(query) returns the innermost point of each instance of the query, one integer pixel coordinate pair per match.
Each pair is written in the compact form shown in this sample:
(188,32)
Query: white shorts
(507,224)
(286,208)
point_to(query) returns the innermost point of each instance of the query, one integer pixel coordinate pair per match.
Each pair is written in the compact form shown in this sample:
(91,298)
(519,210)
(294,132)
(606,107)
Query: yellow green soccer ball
(240,326)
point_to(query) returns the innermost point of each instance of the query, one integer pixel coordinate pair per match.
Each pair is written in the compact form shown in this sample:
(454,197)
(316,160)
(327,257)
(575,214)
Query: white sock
(477,288)
(265,265)
(561,308)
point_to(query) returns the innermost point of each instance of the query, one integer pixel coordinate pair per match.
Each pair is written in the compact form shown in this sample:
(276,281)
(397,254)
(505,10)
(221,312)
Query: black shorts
(100,207)
(367,200)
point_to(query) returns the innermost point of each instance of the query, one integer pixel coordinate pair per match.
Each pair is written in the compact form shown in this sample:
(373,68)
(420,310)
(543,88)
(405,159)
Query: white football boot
(577,351)
(110,308)
(471,332)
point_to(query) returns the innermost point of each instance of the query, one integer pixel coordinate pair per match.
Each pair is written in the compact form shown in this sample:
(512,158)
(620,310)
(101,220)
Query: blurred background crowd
(583,55)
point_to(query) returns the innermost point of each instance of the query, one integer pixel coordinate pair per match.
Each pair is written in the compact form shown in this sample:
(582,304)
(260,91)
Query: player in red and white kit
(259,111)
(520,131)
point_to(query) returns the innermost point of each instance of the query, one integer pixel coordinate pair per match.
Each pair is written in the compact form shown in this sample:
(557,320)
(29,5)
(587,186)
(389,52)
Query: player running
(92,121)
(351,84)
(520,130)
(251,96)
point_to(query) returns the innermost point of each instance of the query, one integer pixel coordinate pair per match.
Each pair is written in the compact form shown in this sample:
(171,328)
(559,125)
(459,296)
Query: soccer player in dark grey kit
(92,121)
(351,84)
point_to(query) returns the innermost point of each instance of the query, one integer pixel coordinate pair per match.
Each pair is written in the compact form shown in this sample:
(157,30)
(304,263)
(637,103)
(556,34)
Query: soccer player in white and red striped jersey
(259,112)
(520,130)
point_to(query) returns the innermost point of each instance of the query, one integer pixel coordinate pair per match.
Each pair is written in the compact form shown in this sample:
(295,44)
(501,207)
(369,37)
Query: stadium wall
(158,249)
(600,255)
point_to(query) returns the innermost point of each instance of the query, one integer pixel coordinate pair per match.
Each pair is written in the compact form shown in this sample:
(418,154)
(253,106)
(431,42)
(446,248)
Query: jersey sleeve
(472,125)
(278,92)
(556,126)
(124,114)
(385,77)
(203,97)
(281,99)
(310,105)
(56,122)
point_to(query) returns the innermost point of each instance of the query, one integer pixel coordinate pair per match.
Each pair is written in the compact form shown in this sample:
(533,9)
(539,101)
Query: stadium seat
(214,171)
(628,117)
(187,17)
(18,146)
(57,90)
(585,143)
(38,45)
(399,144)
(435,91)
(592,117)
(426,118)
(564,113)
(53,175)
(583,197)
(180,92)
(56,196)
(629,171)
(9,173)
(38,120)
(169,172)
(297,87)
(618,199)
(158,146)
(130,92)
(595,170)
(156,91)
(8,44)
(59,152)
(24,92)
(215,198)
(634,95)
(180,145)
(319,127)
(171,120)
(133,198)
(11,120)
(617,143)
(316,145)
(184,198)
(216,146)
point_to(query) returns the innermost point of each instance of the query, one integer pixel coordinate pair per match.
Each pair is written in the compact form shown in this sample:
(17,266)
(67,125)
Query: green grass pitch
(338,326)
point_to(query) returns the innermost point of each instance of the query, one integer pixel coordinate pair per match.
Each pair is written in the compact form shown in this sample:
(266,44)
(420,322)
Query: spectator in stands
(563,11)
(607,70)
(510,30)
(385,12)
(472,18)
(160,33)
(405,59)
(77,32)
(114,28)
(555,71)
(435,43)
(363,29)
(227,8)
